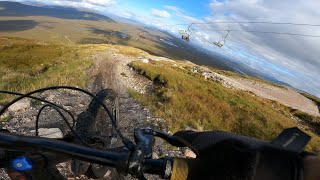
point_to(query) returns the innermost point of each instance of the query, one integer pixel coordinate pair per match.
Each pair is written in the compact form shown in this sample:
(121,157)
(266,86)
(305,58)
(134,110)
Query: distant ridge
(18,9)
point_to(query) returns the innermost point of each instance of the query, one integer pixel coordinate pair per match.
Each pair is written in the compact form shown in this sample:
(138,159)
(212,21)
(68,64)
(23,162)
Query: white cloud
(101,2)
(173,8)
(95,5)
(160,13)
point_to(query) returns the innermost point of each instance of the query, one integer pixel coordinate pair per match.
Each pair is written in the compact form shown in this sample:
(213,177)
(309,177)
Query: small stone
(188,128)
(155,155)
(63,164)
(27,120)
(145,60)
(67,107)
(108,174)
(50,97)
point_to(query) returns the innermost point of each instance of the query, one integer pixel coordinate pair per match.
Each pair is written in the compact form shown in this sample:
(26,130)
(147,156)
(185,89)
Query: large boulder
(53,133)
(20,105)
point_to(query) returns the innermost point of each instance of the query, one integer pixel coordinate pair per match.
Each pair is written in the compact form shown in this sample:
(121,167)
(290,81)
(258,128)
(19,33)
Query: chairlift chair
(185,34)
(222,40)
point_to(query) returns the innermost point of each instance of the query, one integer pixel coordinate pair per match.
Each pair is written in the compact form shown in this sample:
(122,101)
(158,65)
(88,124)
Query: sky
(292,59)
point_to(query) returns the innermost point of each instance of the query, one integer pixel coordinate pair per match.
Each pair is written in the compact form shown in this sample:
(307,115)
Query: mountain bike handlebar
(41,151)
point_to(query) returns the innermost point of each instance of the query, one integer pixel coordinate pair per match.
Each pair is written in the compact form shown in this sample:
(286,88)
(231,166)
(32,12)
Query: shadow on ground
(17,25)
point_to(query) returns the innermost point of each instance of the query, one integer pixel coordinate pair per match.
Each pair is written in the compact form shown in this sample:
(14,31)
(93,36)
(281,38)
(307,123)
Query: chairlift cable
(263,32)
(248,22)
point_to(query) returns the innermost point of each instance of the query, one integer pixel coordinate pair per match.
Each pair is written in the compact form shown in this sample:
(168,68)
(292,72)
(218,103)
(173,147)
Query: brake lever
(143,150)
(173,140)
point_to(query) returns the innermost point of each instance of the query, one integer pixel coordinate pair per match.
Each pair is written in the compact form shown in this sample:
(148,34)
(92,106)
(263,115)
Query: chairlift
(222,40)
(185,34)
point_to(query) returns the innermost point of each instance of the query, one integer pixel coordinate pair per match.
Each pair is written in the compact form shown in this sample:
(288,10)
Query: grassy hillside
(187,100)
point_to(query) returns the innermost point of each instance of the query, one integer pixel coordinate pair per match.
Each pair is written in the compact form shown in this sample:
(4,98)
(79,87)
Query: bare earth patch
(286,96)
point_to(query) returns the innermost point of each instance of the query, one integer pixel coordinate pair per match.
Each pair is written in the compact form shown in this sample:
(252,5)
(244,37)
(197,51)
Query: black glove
(226,156)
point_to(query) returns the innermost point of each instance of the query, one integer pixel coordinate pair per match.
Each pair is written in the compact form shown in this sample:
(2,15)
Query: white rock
(20,105)
(155,155)
(108,174)
(145,60)
(53,133)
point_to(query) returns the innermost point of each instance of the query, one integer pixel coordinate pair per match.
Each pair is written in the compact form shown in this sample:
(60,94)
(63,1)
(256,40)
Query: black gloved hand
(228,156)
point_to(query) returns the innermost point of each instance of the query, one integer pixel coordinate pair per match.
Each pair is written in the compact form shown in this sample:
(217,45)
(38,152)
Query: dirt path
(111,71)
(285,95)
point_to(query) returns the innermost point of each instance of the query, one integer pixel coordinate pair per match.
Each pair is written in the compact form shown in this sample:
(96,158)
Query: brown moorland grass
(28,65)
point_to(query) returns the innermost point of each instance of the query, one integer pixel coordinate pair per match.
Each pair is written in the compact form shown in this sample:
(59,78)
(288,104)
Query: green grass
(185,99)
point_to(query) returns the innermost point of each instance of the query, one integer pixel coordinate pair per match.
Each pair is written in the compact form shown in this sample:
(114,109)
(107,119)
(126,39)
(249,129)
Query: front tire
(95,128)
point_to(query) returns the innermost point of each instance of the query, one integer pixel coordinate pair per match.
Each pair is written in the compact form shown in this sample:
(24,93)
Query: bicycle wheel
(95,129)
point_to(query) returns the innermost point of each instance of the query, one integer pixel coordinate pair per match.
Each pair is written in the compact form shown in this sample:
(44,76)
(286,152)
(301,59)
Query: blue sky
(294,60)
(195,8)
